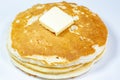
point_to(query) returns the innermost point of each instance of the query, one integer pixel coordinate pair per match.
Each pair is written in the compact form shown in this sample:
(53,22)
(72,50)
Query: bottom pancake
(57,73)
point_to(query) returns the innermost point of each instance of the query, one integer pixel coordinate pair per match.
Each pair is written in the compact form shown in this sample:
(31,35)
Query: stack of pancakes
(38,51)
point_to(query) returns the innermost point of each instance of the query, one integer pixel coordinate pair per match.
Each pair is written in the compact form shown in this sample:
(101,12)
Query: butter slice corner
(56,20)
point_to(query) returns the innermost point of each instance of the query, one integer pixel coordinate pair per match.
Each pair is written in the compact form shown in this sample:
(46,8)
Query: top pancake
(29,37)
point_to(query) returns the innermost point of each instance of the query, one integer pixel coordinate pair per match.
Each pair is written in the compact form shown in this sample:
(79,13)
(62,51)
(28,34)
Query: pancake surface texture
(38,51)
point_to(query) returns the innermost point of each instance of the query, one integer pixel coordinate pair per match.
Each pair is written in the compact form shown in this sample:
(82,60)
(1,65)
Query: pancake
(38,70)
(38,51)
(51,70)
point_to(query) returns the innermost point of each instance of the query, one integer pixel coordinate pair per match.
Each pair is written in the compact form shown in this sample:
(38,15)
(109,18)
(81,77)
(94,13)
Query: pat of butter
(56,20)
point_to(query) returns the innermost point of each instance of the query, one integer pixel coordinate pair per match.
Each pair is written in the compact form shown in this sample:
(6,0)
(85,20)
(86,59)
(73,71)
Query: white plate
(106,69)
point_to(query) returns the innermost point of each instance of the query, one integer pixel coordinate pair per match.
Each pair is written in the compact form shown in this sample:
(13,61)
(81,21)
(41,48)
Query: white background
(106,69)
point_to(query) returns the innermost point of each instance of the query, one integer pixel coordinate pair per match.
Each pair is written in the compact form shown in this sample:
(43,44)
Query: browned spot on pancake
(36,40)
